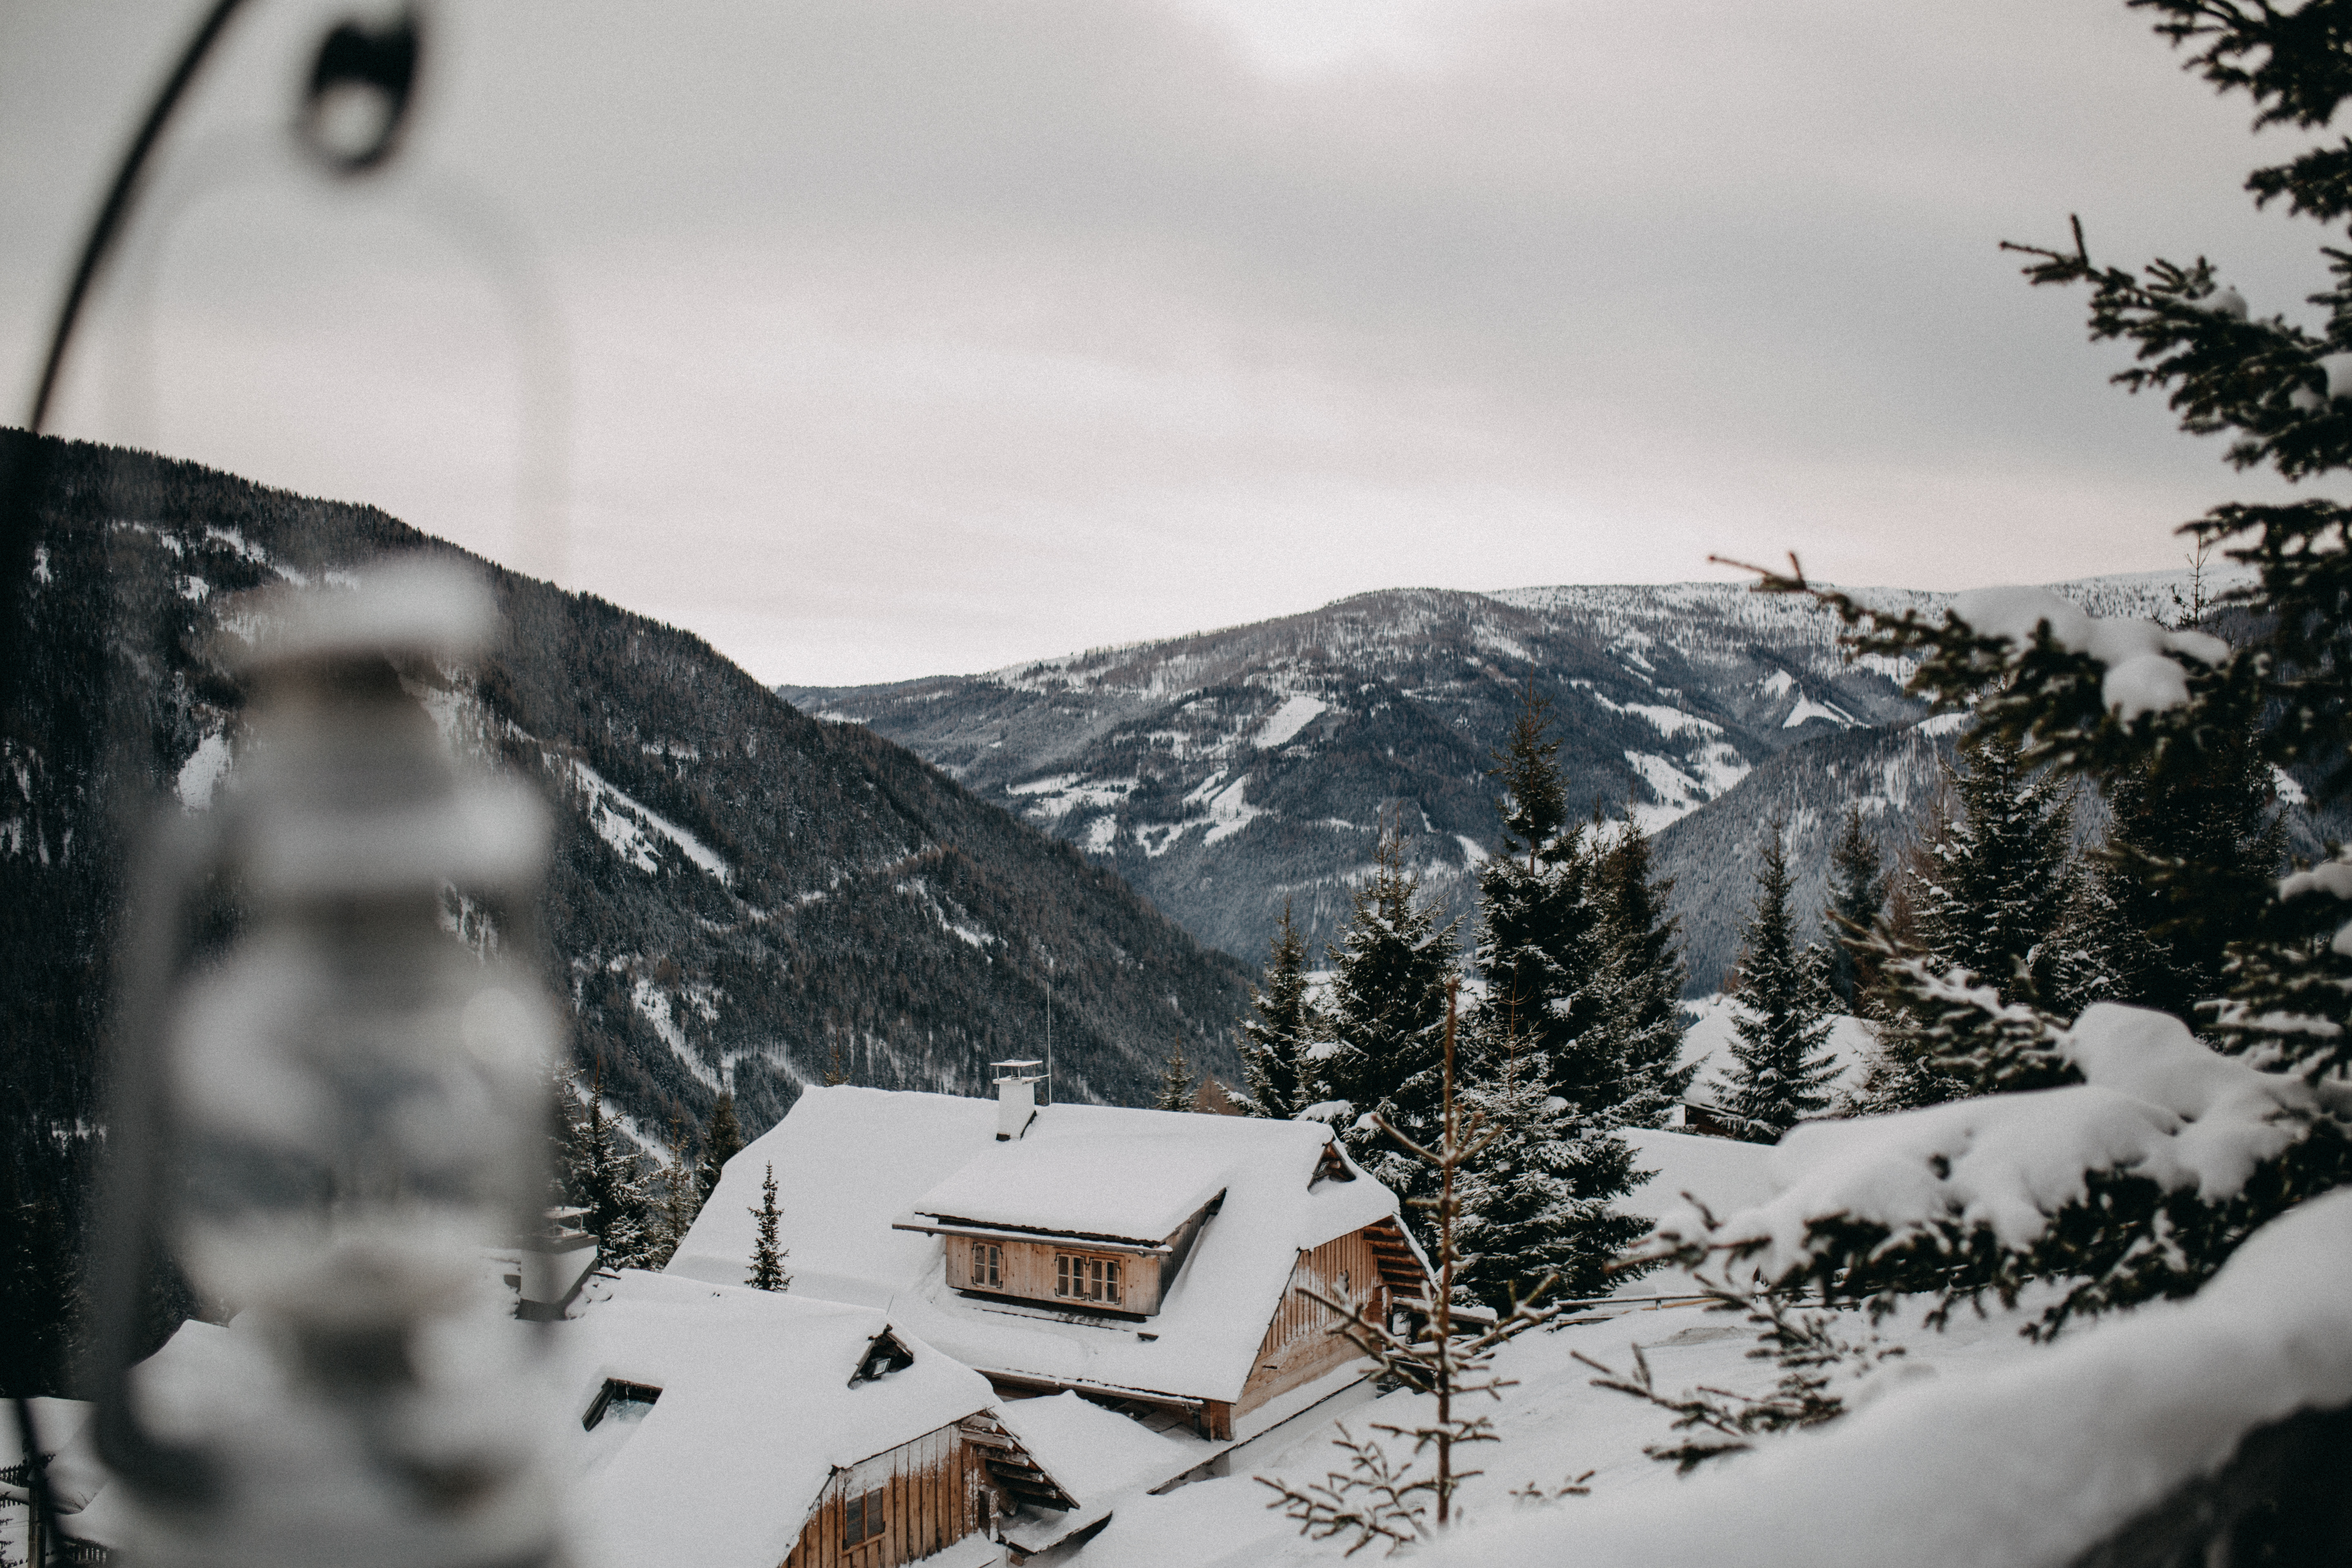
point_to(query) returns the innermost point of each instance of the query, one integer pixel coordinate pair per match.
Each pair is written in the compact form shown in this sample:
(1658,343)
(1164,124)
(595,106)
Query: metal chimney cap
(1027,1068)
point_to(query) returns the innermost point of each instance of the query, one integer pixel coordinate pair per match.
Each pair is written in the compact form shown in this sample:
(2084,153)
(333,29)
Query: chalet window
(862,1517)
(1079,1278)
(987,1265)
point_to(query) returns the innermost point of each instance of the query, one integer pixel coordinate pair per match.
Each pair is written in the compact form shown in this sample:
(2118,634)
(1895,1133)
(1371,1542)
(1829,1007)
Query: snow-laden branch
(2142,675)
(2333,877)
(2036,1461)
(2155,1103)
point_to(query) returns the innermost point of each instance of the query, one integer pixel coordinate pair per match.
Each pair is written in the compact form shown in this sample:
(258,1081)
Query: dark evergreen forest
(875,920)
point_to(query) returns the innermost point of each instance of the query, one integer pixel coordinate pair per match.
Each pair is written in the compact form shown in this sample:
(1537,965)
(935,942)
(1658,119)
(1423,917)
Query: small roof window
(622,1401)
(883,1355)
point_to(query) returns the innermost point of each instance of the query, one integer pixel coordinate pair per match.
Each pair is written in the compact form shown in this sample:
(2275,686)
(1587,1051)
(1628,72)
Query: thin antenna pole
(1049,1028)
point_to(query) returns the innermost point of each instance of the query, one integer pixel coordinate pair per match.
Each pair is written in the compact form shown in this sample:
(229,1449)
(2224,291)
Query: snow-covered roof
(850,1161)
(1724,1173)
(1109,1185)
(758,1407)
(1099,1456)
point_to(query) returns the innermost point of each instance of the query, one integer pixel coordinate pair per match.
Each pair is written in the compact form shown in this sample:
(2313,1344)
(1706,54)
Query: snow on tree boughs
(1778,1065)
(1277,1070)
(2134,1184)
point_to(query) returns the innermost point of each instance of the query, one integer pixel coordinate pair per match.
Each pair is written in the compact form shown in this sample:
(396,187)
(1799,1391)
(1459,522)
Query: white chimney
(1016,1097)
(553,1263)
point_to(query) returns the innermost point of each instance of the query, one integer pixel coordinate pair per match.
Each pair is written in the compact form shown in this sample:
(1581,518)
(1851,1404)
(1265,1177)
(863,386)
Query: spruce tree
(602,1177)
(1782,1019)
(1994,888)
(1641,984)
(1540,946)
(2130,705)
(1387,1015)
(1277,1070)
(1857,904)
(722,1140)
(1536,1198)
(768,1270)
(1990,892)
(675,1199)
(1177,1084)
(2192,854)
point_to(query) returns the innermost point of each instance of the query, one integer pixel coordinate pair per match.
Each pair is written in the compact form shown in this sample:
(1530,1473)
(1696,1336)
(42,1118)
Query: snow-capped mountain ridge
(1226,773)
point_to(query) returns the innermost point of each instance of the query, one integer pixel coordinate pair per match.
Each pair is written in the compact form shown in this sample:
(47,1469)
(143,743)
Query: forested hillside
(738,889)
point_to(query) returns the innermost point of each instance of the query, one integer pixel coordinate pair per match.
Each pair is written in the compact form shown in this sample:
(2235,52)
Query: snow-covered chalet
(740,1428)
(1153,1262)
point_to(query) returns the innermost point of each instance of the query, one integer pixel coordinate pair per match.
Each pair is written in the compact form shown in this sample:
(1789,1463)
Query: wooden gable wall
(934,1493)
(1300,1343)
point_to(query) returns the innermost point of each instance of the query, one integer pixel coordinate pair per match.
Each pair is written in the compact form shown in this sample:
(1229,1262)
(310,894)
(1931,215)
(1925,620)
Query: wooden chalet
(1153,1262)
(730,1427)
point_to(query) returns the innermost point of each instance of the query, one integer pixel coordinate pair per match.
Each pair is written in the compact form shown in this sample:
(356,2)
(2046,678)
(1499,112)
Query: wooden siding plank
(929,1493)
(1301,1343)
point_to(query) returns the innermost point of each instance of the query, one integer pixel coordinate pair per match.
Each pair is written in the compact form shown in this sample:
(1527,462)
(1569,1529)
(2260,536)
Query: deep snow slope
(737,888)
(1228,772)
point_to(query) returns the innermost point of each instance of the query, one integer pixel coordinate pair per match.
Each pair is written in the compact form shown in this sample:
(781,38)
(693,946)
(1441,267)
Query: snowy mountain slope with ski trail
(1230,773)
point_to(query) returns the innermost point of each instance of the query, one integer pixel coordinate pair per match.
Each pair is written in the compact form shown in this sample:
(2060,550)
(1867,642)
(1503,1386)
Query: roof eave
(941,1224)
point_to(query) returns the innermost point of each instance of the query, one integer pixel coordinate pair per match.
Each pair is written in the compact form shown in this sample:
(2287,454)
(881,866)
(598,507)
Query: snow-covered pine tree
(1380,1496)
(1992,892)
(1540,938)
(1536,1199)
(2192,854)
(1642,984)
(722,1140)
(2107,700)
(1857,904)
(1387,1018)
(674,1199)
(1276,1067)
(1781,1019)
(1993,889)
(603,1177)
(1177,1084)
(768,1270)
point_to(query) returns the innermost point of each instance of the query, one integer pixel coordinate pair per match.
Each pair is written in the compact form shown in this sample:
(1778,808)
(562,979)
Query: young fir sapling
(1805,1346)
(768,1270)
(1412,1497)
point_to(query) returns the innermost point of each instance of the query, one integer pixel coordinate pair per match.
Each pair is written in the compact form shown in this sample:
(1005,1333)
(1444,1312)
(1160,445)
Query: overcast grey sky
(910,336)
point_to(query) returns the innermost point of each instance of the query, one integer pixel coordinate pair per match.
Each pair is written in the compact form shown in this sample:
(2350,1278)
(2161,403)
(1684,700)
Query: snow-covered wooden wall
(930,1494)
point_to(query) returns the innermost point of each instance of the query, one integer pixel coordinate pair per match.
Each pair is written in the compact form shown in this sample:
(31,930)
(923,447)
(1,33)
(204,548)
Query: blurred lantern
(355,105)
(328,1125)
